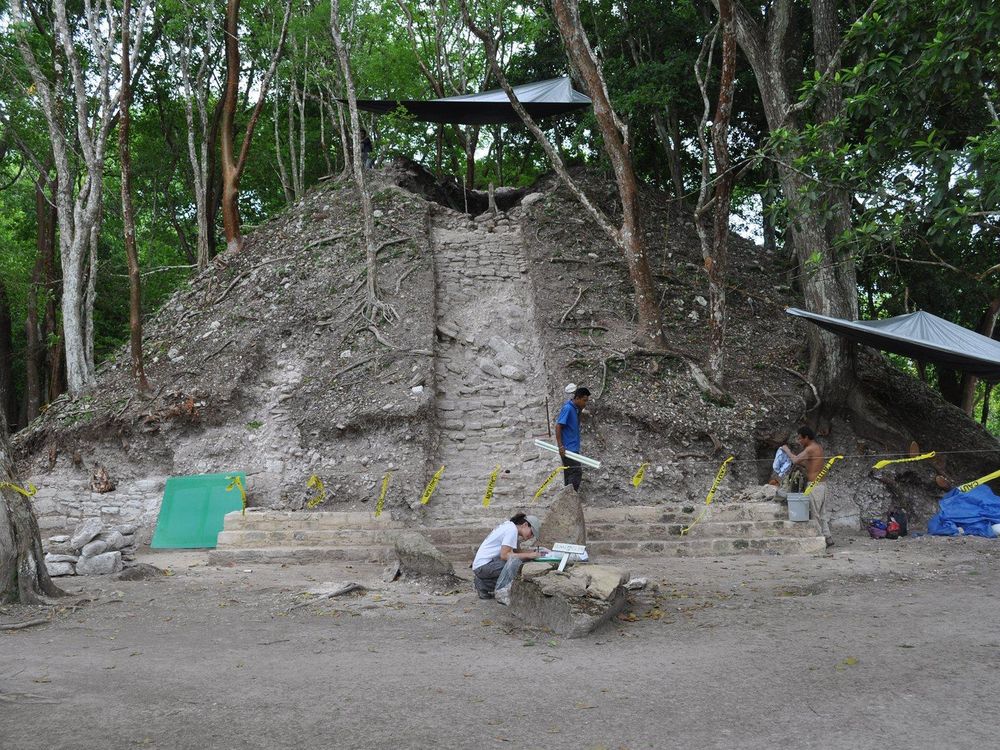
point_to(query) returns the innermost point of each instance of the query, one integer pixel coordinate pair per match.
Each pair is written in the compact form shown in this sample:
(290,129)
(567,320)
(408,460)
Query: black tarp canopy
(919,335)
(541,99)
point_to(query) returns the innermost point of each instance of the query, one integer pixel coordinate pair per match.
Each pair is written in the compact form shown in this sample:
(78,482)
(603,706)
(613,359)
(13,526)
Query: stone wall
(63,502)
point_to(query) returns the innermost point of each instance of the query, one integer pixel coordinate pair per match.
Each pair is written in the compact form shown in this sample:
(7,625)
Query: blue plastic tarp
(973,512)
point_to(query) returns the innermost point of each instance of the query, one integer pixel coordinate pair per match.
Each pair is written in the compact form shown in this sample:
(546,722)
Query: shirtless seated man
(811,460)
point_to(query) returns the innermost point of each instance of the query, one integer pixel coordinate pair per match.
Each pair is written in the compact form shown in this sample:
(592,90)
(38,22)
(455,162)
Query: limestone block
(512,373)
(94,548)
(489,367)
(51,522)
(605,580)
(59,539)
(56,569)
(535,569)
(85,532)
(564,521)
(44,506)
(568,615)
(531,199)
(125,529)
(114,540)
(505,350)
(562,584)
(419,558)
(53,558)
(100,565)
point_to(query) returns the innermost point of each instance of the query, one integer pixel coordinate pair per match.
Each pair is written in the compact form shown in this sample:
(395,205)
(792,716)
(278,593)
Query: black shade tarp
(541,99)
(921,336)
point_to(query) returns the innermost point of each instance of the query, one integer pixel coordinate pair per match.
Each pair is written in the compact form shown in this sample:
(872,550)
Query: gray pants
(496,574)
(817,506)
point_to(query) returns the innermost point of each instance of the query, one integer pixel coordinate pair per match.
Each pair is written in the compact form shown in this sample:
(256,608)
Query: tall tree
(83,48)
(23,576)
(715,195)
(767,37)
(233,163)
(8,402)
(375,309)
(128,216)
(192,49)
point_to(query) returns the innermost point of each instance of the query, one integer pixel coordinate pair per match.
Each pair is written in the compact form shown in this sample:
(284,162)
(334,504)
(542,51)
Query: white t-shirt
(503,535)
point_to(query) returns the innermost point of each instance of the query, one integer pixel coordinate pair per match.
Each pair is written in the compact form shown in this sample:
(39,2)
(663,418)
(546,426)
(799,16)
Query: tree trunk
(718,264)
(128,219)
(668,129)
(616,145)
(986,326)
(829,281)
(23,577)
(471,142)
(230,174)
(8,400)
(34,358)
(233,164)
(52,329)
(79,150)
(213,185)
(360,180)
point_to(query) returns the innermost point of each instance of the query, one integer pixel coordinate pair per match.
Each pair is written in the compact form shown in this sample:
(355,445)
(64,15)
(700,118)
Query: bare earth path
(880,645)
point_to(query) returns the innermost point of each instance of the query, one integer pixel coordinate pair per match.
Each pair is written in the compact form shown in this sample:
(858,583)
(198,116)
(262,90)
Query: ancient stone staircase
(490,385)
(640,531)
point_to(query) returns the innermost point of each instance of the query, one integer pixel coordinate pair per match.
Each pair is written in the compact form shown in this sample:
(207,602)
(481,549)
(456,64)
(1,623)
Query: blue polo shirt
(569,418)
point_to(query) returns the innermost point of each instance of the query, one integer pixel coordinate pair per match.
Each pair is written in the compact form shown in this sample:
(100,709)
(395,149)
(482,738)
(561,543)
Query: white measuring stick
(592,463)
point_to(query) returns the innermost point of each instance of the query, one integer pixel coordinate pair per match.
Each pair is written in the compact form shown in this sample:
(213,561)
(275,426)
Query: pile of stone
(93,550)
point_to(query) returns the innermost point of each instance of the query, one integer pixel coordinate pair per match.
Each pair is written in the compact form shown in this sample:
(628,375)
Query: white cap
(570,388)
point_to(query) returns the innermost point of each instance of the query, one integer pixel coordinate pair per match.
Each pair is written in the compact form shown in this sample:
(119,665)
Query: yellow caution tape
(711,493)
(431,486)
(882,464)
(32,489)
(238,482)
(639,475)
(316,483)
(489,487)
(977,482)
(548,481)
(822,473)
(381,496)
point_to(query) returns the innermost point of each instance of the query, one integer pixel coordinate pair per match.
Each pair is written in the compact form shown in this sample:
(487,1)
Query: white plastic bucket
(798,506)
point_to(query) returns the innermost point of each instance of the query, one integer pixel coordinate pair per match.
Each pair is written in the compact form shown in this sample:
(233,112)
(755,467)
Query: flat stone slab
(419,558)
(100,565)
(573,603)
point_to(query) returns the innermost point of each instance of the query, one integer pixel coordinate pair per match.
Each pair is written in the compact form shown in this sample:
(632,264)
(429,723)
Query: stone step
(600,535)
(705,547)
(276,520)
(685,513)
(298,555)
(254,538)
(599,532)
(308,536)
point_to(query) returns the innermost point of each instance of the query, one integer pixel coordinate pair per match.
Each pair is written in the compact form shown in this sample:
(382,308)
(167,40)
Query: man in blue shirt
(568,435)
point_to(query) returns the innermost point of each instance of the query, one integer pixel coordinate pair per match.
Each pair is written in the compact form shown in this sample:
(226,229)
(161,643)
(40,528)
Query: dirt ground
(877,645)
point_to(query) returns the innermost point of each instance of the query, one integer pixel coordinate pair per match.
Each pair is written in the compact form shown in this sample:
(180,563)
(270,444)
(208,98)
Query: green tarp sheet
(193,508)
